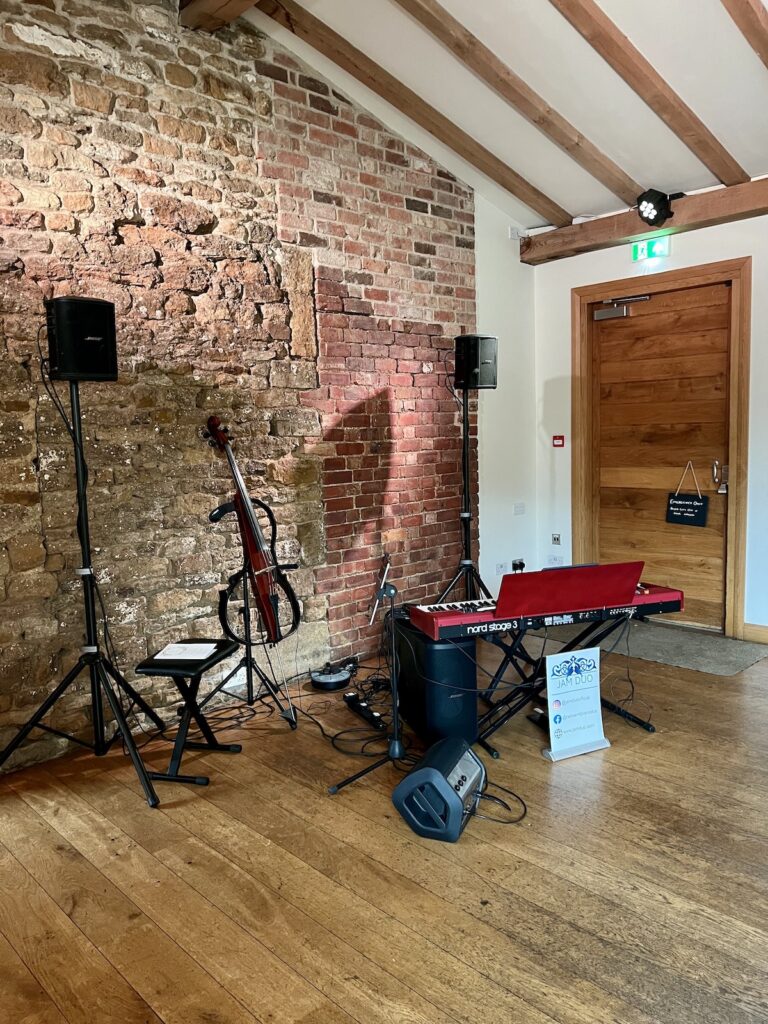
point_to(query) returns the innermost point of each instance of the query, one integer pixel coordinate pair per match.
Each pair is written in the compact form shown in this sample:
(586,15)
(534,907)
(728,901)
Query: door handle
(720,477)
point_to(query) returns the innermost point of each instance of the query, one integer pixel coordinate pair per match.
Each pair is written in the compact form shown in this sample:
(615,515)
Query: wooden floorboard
(635,891)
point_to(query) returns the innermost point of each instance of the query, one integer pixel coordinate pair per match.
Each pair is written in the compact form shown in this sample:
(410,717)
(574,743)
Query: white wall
(507,455)
(554,282)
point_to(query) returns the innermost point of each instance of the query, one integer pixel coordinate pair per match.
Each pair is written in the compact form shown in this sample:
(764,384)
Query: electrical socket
(556,560)
(502,568)
(518,509)
(555,538)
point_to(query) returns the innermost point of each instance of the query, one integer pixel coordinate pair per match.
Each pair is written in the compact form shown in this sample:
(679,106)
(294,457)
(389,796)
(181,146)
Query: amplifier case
(437,683)
(82,342)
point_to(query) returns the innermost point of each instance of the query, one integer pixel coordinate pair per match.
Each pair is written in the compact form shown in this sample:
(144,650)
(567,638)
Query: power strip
(363,709)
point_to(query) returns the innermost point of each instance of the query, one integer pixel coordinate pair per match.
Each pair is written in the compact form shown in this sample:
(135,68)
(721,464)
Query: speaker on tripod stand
(475,362)
(82,347)
(475,369)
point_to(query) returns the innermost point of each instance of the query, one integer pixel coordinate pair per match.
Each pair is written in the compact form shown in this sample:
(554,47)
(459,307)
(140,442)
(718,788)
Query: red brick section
(400,227)
(393,240)
(392,459)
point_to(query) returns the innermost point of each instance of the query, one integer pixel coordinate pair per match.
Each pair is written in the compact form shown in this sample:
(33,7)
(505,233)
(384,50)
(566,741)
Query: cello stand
(395,748)
(267,688)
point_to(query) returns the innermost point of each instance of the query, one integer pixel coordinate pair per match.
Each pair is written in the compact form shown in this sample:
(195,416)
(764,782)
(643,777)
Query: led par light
(655,207)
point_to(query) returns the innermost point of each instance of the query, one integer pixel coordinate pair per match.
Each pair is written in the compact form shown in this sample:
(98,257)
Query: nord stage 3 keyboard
(530,606)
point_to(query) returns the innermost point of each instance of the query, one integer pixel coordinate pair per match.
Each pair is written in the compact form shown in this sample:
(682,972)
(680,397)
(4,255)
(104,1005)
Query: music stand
(395,749)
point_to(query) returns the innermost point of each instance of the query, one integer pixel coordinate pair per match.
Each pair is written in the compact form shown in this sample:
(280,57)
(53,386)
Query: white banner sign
(573,696)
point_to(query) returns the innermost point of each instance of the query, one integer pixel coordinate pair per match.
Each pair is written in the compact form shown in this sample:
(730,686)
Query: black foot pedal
(539,717)
(363,709)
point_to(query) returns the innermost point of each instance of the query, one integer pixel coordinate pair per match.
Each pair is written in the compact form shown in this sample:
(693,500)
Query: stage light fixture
(655,207)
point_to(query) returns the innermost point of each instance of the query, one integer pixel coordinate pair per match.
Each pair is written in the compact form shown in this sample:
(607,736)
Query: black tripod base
(267,690)
(103,674)
(395,753)
(473,583)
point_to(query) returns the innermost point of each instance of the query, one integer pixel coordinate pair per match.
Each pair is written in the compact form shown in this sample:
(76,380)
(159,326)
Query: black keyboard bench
(187,674)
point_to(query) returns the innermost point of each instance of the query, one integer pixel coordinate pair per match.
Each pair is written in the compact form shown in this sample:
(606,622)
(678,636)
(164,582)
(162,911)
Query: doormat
(680,646)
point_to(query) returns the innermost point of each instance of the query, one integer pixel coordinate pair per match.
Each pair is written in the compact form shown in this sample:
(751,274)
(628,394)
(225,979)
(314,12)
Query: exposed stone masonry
(259,236)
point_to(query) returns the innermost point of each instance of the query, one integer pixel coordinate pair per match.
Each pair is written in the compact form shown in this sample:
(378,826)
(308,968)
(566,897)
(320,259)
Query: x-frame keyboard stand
(533,683)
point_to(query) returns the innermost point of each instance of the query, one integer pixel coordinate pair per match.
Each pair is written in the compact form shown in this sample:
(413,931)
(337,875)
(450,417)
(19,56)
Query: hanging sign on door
(687,509)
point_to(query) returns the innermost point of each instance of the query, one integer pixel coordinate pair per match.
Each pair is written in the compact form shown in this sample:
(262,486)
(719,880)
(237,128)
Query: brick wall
(393,241)
(259,236)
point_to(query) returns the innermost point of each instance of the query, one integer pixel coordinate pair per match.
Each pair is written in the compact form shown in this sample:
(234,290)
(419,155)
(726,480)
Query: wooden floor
(634,892)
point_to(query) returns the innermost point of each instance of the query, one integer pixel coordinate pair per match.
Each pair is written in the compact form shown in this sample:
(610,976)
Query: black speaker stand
(106,681)
(467,571)
(395,748)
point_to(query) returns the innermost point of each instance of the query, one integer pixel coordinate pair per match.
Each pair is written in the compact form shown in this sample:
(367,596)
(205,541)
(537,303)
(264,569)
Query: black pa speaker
(437,684)
(475,362)
(81,339)
(439,796)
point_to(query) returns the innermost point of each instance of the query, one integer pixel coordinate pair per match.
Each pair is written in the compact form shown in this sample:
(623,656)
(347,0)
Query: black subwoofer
(81,339)
(475,362)
(438,684)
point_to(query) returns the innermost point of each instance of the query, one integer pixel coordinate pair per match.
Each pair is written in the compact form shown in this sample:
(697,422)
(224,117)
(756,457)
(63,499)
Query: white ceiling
(694,44)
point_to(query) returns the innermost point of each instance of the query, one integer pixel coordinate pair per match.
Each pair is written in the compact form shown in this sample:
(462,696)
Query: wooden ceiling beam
(211,15)
(323,38)
(751,17)
(735,202)
(490,69)
(613,46)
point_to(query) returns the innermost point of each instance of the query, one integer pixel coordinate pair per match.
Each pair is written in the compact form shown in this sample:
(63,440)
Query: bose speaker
(437,683)
(81,339)
(439,796)
(475,362)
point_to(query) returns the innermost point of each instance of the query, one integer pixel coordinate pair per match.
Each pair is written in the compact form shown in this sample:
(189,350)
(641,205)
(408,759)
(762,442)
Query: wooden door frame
(585,481)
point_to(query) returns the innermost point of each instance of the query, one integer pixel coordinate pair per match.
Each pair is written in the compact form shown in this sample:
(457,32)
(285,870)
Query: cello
(276,602)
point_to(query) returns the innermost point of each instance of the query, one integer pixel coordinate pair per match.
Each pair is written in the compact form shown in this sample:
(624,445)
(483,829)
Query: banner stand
(573,703)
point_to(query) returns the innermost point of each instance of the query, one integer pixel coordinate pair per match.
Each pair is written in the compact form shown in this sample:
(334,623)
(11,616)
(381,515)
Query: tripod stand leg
(130,746)
(220,687)
(479,585)
(42,711)
(288,713)
(359,775)
(446,591)
(123,684)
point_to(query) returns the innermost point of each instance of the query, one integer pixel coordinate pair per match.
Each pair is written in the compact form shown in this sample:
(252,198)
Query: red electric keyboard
(600,597)
(551,597)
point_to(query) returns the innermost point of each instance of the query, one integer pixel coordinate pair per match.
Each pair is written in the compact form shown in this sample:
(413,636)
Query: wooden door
(661,398)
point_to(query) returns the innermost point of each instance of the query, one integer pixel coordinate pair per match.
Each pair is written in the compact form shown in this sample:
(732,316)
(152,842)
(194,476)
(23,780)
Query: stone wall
(275,256)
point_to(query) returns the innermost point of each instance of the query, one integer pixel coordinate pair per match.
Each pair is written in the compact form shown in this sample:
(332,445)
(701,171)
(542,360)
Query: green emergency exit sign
(650,248)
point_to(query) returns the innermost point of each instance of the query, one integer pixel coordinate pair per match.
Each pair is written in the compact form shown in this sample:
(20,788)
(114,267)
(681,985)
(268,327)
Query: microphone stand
(105,679)
(395,749)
